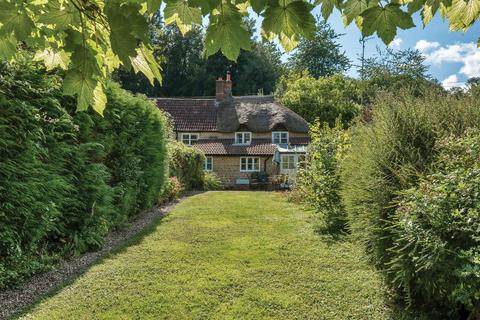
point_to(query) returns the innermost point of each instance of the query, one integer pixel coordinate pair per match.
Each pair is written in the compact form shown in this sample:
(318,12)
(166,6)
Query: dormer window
(280,137)
(189,138)
(243,137)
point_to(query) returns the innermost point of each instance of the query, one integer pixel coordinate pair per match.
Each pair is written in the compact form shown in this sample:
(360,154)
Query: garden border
(14,301)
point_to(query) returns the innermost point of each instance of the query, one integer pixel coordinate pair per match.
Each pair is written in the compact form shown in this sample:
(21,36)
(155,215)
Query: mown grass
(226,255)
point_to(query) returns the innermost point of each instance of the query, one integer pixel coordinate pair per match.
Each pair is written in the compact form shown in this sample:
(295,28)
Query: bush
(186,163)
(318,183)
(68,178)
(173,190)
(211,181)
(388,156)
(326,98)
(436,246)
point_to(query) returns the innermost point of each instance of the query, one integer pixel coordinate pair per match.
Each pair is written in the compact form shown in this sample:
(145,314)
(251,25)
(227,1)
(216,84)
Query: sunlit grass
(226,255)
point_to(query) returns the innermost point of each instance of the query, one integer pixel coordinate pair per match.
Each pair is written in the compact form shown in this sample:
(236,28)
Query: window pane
(275,137)
(208,163)
(247,138)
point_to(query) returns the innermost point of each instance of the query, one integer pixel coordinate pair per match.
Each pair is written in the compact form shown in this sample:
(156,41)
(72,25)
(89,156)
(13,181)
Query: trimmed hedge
(67,178)
(186,163)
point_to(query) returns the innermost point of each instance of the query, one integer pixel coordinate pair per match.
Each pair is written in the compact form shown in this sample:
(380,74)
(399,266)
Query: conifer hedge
(66,178)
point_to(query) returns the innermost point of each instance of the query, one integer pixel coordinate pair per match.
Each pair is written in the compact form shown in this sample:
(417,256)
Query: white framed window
(208,166)
(280,137)
(249,164)
(288,162)
(188,138)
(243,137)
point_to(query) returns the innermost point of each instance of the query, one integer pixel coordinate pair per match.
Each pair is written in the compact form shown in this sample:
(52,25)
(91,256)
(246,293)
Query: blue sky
(451,56)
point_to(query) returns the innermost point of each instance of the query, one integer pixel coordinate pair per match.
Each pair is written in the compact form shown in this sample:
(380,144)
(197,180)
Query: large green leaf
(52,58)
(288,23)
(182,14)
(99,98)
(15,20)
(61,16)
(327,7)
(127,28)
(239,38)
(144,62)
(153,5)
(8,46)
(258,5)
(385,21)
(354,8)
(81,85)
(462,14)
(226,23)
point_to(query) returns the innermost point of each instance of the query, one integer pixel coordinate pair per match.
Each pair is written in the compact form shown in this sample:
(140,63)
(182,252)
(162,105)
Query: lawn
(226,255)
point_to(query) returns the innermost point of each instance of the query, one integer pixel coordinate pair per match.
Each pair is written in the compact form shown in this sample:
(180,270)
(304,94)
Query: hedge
(399,152)
(67,178)
(186,163)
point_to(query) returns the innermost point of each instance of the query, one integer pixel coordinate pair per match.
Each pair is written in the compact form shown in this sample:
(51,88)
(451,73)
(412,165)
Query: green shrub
(68,178)
(186,163)
(173,190)
(326,98)
(436,231)
(387,157)
(211,181)
(318,182)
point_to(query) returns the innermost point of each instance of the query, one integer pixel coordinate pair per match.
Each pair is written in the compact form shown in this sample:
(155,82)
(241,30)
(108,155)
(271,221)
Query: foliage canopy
(321,55)
(325,98)
(90,38)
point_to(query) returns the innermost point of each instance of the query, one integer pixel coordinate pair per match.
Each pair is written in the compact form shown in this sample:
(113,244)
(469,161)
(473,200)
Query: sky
(452,57)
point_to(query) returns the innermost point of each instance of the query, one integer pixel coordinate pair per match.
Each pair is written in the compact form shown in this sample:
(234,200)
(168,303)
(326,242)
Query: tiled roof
(257,147)
(190,114)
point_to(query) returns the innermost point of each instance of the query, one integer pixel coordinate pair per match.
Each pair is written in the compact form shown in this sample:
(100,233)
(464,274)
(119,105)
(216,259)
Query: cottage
(241,137)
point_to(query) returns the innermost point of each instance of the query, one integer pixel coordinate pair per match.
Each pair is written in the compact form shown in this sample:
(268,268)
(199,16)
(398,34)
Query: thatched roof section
(258,114)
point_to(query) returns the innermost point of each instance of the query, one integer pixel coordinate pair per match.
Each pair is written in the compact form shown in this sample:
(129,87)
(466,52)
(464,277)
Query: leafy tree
(187,72)
(321,55)
(180,58)
(91,38)
(325,98)
(393,70)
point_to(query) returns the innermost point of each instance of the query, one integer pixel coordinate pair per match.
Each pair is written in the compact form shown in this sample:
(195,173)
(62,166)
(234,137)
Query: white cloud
(471,65)
(424,45)
(465,53)
(451,82)
(396,43)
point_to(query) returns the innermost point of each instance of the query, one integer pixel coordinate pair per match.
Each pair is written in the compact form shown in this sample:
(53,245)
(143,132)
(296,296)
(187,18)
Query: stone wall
(231,135)
(227,168)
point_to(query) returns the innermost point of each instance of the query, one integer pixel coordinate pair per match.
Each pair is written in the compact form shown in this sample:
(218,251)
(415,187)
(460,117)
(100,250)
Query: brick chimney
(223,88)
(219,89)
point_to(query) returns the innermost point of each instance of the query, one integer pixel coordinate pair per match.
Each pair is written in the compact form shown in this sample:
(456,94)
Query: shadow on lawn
(131,241)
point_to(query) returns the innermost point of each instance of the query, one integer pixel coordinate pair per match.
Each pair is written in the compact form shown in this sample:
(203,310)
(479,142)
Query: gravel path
(15,300)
